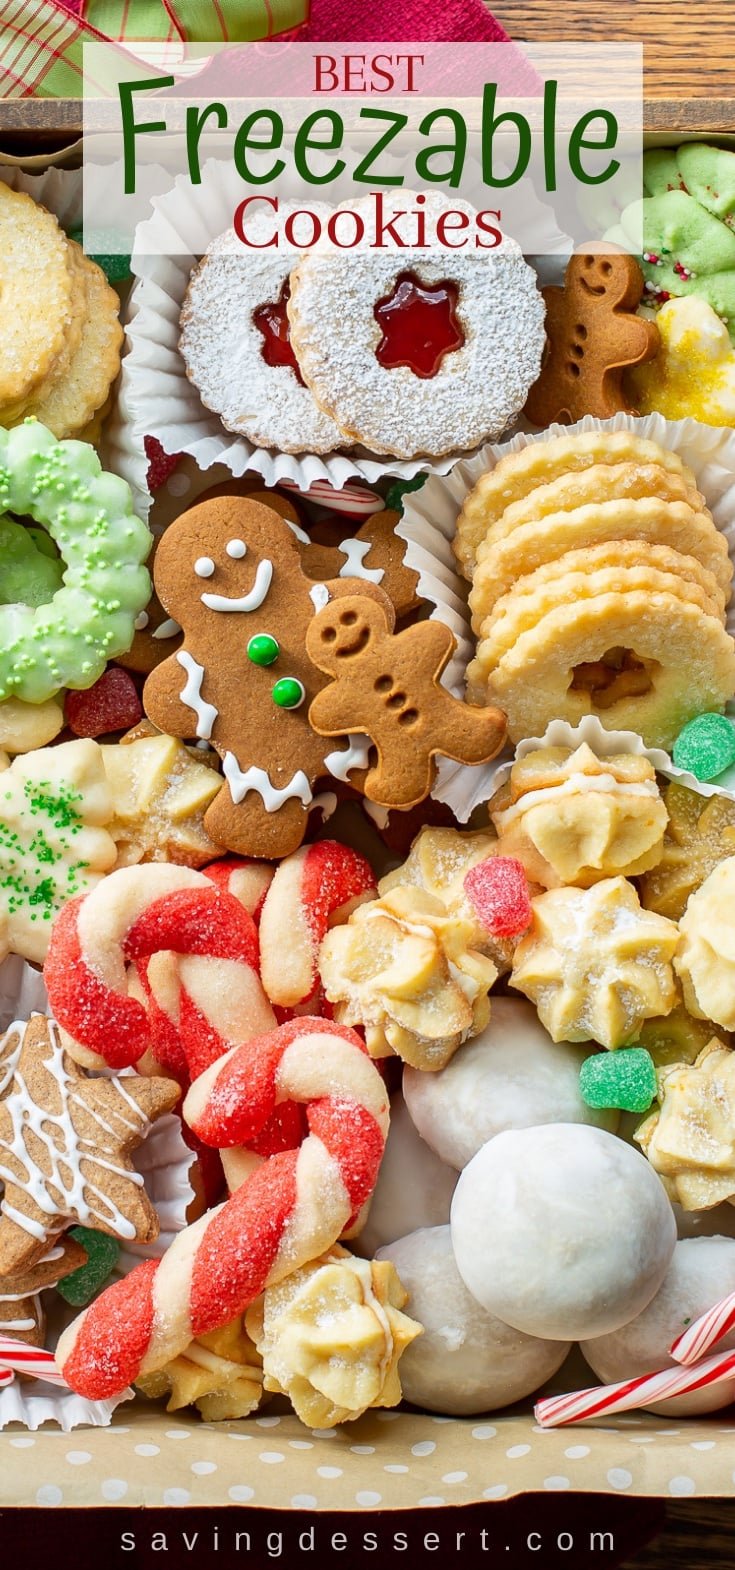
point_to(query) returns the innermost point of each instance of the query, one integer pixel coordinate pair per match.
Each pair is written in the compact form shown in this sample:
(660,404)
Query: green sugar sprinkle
(24,880)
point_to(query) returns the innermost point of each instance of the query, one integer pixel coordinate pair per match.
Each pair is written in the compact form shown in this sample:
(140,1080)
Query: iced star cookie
(413,351)
(235,341)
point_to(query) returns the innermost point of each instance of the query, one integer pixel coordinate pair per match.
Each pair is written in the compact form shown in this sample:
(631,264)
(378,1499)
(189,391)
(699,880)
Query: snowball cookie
(563,1231)
(466,1360)
(701,1272)
(510,1076)
(414,1188)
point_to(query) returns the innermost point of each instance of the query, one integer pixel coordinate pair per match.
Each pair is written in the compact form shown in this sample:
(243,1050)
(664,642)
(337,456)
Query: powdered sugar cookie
(235,341)
(414,351)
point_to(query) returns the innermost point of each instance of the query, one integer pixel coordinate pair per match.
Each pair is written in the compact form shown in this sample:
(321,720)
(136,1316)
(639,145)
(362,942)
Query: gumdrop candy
(498,892)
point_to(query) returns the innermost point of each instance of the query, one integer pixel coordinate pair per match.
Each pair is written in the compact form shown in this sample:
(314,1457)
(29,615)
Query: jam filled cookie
(413,351)
(236,345)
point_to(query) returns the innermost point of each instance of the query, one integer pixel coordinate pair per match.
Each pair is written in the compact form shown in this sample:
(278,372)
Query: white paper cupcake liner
(33,1404)
(156,397)
(589,731)
(60,190)
(22,991)
(429,522)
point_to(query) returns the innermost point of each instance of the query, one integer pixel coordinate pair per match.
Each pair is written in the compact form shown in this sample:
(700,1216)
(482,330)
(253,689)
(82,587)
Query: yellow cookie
(620,656)
(525,610)
(675,524)
(604,482)
(71,398)
(618,555)
(519,473)
(36,294)
(12,413)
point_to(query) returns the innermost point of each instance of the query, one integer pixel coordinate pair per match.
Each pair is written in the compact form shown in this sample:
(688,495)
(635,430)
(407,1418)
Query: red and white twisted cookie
(291,1208)
(157,957)
(249,881)
(314,889)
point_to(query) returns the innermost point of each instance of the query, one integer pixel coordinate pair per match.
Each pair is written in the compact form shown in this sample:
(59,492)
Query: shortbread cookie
(80,383)
(643,662)
(700,834)
(524,610)
(539,464)
(36,293)
(411,351)
(235,341)
(647,519)
(603,482)
(615,555)
(65,1144)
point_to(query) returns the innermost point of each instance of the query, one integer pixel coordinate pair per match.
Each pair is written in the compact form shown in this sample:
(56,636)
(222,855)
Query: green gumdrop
(102,1251)
(115,263)
(29,576)
(401,488)
(709,174)
(624,1079)
(706,746)
(660,171)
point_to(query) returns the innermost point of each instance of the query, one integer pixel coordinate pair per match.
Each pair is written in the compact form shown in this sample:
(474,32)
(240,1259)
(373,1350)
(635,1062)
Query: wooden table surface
(689,77)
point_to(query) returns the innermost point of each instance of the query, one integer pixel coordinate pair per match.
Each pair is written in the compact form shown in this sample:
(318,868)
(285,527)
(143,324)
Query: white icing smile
(246,602)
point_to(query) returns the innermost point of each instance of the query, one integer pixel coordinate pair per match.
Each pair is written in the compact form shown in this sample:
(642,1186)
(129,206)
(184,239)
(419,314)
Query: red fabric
(402,21)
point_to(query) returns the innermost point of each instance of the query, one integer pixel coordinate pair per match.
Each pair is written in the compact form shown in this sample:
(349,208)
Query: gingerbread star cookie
(65,1144)
(22,1313)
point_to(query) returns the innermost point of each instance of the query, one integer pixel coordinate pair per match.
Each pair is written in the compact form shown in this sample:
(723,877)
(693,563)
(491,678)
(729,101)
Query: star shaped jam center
(419,324)
(272,321)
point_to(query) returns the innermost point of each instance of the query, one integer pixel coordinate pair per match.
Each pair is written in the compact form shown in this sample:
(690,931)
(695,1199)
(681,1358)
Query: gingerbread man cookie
(592,337)
(387,686)
(229,572)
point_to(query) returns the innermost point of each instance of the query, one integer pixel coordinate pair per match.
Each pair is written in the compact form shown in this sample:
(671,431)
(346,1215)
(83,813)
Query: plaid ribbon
(41,40)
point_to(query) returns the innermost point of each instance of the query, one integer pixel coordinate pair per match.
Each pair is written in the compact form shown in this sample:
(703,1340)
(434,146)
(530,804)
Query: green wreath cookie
(88,513)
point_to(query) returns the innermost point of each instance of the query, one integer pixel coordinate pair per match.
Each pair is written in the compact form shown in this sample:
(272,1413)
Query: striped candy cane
(290,1208)
(706,1331)
(17,1357)
(159,957)
(352,500)
(606,1400)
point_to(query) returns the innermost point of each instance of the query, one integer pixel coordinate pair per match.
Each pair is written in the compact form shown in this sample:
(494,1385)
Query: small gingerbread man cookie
(387,686)
(229,572)
(592,336)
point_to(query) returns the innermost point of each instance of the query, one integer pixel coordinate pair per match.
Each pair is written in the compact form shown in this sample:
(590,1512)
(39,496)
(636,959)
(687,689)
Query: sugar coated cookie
(562,1231)
(412,351)
(510,1076)
(702,1271)
(235,341)
(466,1360)
(414,1188)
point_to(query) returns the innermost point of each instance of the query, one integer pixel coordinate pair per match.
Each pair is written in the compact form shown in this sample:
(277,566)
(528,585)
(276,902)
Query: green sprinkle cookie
(88,513)
(30,576)
(706,746)
(84,1284)
(624,1079)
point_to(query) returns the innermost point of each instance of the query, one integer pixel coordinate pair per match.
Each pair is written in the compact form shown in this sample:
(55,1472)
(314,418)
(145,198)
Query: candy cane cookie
(164,960)
(314,889)
(290,1209)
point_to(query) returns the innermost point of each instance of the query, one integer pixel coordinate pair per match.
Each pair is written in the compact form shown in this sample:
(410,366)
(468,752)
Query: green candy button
(706,746)
(624,1079)
(288,693)
(263,649)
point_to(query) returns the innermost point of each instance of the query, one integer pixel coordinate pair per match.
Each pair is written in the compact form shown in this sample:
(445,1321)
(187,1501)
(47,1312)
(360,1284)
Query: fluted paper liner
(429,523)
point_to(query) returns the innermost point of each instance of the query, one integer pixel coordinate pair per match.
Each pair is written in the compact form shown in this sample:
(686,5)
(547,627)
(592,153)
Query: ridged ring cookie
(483,378)
(534,680)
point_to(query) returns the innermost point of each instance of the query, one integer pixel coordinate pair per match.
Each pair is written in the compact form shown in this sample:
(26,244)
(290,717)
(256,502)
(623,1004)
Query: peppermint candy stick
(706,1331)
(352,501)
(17,1357)
(606,1400)
(290,1208)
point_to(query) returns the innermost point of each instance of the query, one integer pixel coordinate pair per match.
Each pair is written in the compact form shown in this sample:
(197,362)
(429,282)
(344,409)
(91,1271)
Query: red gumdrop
(160,464)
(498,892)
(111,704)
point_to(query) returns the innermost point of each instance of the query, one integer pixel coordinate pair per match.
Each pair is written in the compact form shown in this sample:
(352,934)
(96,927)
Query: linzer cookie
(386,685)
(435,353)
(229,572)
(65,1143)
(235,342)
(592,336)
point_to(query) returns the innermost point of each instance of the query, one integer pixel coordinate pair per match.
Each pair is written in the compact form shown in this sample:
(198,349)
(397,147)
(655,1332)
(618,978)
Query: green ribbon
(195,21)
